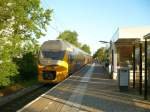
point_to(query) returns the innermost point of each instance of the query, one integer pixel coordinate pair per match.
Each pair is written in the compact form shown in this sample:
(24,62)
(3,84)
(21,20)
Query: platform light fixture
(104,41)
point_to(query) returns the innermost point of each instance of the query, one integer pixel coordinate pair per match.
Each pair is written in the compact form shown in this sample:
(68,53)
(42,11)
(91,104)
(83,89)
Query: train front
(52,66)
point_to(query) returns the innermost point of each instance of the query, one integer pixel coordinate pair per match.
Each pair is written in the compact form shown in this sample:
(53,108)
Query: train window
(55,55)
(71,58)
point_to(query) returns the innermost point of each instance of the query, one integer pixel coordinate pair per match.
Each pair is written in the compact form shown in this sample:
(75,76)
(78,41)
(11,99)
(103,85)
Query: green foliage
(69,36)
(29,83)
(101,54)
(8,71)
(86,48)
(22,22)
(27,66)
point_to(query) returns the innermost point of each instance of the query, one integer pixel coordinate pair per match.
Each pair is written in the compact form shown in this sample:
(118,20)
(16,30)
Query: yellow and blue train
(58,59)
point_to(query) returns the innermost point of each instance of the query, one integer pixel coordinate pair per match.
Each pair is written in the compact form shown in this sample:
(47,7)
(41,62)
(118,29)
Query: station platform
(89,90)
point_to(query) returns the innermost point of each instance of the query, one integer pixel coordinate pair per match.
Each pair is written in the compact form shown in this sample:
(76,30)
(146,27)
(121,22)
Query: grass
(18,86)
(28,83)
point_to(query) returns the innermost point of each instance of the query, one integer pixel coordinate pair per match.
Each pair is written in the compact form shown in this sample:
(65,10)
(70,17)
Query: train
(58,59)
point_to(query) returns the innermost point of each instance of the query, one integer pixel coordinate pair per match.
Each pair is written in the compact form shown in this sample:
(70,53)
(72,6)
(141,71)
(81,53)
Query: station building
(125,45)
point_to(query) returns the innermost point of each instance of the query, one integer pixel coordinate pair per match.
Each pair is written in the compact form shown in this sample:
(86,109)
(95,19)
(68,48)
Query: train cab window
(54,55)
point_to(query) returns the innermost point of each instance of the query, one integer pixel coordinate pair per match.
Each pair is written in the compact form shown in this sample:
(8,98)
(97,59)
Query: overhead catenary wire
(46,4)
(55,29)
(58,22)
(56,25)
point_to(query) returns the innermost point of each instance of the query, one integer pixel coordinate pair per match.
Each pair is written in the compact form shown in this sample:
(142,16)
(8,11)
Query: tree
(22,22)
(70,36)
(101,54)
(86,48)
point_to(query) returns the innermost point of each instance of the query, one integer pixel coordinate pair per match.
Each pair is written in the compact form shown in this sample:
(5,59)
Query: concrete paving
(89,90)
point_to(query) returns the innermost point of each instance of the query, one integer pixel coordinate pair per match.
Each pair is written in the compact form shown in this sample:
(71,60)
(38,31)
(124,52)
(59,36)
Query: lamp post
(112,55)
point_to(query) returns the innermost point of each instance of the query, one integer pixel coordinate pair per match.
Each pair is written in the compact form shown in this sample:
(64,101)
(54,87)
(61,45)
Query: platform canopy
(123,41)
(130,34)
(147,36)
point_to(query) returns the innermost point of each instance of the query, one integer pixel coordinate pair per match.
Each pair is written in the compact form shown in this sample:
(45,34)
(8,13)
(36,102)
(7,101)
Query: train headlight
(49,61)
(40,66)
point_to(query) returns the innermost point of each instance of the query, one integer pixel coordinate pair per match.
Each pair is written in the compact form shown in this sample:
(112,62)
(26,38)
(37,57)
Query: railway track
(18,103)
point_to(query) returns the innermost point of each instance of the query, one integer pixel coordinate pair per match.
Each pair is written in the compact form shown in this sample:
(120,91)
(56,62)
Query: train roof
(53,45)
(60,45)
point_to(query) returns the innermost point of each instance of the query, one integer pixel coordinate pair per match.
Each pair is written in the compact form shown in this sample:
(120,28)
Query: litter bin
(123,78)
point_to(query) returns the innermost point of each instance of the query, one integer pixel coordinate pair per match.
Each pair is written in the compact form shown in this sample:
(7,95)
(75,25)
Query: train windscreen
(54,55)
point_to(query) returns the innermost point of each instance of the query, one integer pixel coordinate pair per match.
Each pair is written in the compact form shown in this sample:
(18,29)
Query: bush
(27,66)
(8,71)
(19,69)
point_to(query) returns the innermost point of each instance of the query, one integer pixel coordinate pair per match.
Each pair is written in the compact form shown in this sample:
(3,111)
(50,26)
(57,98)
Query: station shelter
(127,49)
(123,43)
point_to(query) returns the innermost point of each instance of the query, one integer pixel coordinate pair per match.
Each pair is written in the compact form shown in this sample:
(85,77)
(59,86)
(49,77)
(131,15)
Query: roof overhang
(147,36)
(126,42)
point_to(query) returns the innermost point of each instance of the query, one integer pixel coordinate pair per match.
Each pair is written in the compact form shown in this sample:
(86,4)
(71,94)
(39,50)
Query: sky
(95,20)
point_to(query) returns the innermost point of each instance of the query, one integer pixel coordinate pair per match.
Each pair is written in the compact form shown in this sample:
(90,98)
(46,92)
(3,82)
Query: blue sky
(95,20)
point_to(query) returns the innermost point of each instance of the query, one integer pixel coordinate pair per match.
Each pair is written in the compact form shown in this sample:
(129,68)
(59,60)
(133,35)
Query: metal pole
(140,68)
(112,62)
(145,88)
(134,66)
